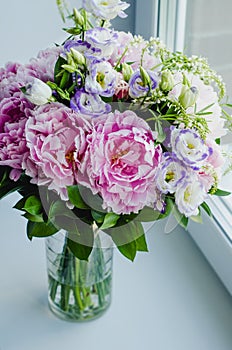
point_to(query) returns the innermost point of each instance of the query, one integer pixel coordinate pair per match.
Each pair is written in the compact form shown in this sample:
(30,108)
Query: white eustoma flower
(206,100)
(189,196)
(101,79)
(38,92)
(106,9)
(170,174)
(189,147)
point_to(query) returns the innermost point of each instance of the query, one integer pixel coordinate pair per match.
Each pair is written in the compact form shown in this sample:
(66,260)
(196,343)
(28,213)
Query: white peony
(207,101)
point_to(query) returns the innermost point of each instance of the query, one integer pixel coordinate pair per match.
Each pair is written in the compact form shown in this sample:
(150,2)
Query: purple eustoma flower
(137,86)
(89,104)
(81,46)
(102,39)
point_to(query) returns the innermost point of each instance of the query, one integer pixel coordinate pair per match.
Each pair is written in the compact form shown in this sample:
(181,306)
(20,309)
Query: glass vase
(78,290)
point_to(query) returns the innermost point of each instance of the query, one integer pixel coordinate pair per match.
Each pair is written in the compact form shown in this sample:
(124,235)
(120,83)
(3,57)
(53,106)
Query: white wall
(209,34)
(28,26)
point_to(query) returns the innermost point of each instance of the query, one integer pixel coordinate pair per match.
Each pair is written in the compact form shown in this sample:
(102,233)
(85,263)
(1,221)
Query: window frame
(166,20)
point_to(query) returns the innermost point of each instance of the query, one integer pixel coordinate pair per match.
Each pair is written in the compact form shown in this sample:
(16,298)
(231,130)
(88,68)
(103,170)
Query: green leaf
(98,217)
(73,31)
(33,205)
(7,186)
(110,220)
(147,214)
(197,218)
(33,218)
(222,193)
(93,201)
(20,204)
(206,208)
(125,237)
(58,68)
(128,250)
(59,208)
(65,78)
(180,218)
(80,251)
(141,244)
(40,229)
(161,134)
(81,241)
(75,197)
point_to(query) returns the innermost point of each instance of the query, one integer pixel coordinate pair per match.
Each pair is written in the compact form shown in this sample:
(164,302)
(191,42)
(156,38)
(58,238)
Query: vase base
(72,316)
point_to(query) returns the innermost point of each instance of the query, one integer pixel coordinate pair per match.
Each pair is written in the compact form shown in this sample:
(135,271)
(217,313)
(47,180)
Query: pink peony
(133,53)
(120,162)
(41,67)
(50,133)
(14,112)
(9,83)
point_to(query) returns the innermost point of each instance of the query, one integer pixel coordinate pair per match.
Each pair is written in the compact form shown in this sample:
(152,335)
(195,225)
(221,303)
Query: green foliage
(40,229)
(110,220)
(81,241)
(33,205)
(206,208)
(221,193)
(129,238)
(76,198)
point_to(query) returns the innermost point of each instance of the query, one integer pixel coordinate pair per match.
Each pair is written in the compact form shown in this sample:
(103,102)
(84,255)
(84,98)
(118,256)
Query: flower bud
(77,56)
(127,71)
(145,77)
(167,81)
(78,18)
(37,92)
(188,96)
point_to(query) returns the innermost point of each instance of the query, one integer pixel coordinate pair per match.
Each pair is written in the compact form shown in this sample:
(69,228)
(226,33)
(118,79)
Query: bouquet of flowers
(109,130)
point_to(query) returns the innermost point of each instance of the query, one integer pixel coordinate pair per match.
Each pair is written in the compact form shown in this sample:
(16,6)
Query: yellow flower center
(187,195)
(70,157)
(190,146)
(100,78)
(170,176)
(119,155)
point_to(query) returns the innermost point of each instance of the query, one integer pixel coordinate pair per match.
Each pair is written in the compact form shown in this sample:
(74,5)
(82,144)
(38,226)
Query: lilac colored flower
(170,173)
(81,46)
(120,162)
(189,147)
(50,136)
(89,104)
(101,79)
(190,195)
(106,10)
(102,39)
(137,86)
(14,112)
